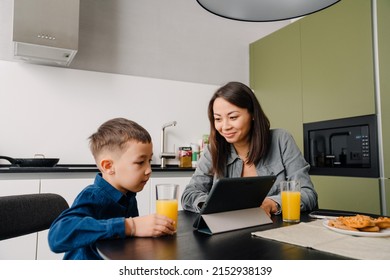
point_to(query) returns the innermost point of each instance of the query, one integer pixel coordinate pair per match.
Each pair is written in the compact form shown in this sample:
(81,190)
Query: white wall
(53,110)
(166,39)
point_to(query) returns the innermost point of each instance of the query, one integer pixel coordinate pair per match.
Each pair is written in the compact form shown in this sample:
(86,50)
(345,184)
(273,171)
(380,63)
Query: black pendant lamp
(264,10)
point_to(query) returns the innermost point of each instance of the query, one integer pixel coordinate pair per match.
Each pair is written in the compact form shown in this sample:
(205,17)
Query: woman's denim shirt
(284,160)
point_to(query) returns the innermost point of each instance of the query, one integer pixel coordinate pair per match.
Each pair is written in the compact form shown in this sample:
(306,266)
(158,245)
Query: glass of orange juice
(291,201)
(166,200)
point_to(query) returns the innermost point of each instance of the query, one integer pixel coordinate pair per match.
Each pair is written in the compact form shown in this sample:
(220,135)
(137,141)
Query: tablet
(230,194)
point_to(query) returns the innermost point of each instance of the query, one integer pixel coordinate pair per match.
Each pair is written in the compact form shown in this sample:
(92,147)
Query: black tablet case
(234,203)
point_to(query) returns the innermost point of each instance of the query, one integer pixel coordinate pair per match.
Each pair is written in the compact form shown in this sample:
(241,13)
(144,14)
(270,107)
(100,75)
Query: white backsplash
(52,111)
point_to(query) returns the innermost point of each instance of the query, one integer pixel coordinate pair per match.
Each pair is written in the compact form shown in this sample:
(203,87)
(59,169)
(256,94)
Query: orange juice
(167,207)
(291,206)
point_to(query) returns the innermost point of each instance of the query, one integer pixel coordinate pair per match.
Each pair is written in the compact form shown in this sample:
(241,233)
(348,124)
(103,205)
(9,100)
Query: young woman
(241,144)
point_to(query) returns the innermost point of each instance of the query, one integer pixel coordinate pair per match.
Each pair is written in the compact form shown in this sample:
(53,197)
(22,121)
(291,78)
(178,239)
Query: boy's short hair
(113,135)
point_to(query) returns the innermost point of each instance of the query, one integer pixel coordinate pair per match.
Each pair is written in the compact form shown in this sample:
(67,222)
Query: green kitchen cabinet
(387,195)
(348,193)
(337,62)
(383,14)
(276,79)
(317,68)
(383,8)
(321,67)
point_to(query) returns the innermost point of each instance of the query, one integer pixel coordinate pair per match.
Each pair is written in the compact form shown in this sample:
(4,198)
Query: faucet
(165,155)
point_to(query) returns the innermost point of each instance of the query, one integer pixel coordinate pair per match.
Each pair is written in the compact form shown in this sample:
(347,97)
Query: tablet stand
(232,220)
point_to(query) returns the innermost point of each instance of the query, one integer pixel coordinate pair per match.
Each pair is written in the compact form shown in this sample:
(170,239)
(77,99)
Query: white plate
(382,233)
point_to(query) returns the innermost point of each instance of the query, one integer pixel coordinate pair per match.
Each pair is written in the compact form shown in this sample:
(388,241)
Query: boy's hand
(152,225)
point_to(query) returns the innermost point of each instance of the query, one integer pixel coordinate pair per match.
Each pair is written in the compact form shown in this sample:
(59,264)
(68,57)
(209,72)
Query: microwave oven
(342,147)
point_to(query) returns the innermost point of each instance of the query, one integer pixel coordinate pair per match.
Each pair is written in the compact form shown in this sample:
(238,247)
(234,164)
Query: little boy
(108,208)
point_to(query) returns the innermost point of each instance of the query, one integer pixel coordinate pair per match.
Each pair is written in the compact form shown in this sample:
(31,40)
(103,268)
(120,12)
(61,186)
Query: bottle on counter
(195,154)
(185,157)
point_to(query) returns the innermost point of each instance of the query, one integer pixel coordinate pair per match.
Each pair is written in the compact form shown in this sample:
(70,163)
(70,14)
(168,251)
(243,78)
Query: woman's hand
(152,225)
(269,206)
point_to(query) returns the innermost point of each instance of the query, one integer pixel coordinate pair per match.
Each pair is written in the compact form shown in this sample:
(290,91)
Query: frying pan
(32,162)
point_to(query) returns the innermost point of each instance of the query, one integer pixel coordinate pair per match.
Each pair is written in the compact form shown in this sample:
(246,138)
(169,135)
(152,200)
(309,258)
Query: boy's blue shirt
(98,212)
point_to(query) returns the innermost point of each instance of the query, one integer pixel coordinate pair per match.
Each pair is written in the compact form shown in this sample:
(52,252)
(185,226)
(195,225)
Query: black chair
(29,213)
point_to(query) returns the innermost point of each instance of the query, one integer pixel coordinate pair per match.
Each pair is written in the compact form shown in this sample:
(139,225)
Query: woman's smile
(229,135)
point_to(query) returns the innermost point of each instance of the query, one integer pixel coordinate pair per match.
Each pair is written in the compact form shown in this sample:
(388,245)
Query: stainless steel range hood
(46,31)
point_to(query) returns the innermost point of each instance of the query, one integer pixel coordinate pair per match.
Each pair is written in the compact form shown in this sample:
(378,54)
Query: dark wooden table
(189,244)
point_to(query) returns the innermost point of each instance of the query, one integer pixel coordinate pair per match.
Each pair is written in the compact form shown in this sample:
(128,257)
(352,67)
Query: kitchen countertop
(76,168)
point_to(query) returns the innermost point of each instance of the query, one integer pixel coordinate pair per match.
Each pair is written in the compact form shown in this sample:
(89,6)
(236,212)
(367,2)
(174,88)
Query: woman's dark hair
(241,96)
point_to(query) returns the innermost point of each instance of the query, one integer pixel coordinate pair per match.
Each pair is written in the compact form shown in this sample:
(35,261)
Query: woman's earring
(111,172)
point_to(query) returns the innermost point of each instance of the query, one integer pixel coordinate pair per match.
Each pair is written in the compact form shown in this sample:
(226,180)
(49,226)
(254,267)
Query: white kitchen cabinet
(68,189)
(35,246)
(23,247)
(181,181)
(16,187)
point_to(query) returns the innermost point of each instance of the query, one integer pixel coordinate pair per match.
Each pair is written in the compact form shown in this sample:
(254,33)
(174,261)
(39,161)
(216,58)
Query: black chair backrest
(28,213)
